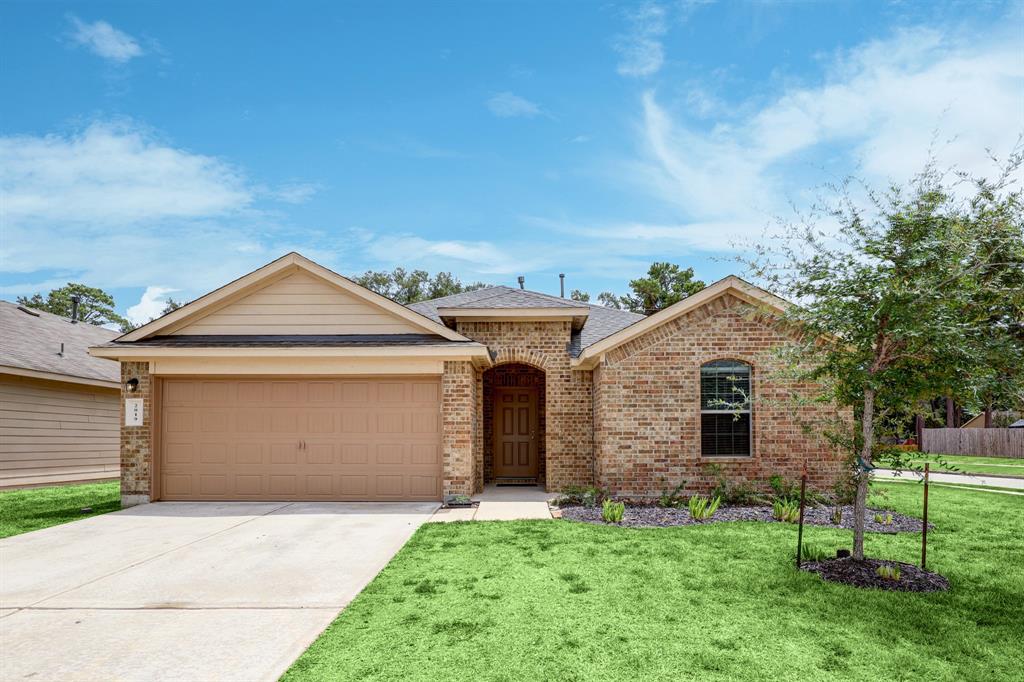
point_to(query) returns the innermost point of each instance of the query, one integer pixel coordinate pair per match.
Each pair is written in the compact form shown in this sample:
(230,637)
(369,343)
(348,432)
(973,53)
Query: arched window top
(725,385)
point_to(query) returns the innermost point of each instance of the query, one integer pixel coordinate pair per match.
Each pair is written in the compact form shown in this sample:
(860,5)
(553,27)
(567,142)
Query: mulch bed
(660,517)
(849,571)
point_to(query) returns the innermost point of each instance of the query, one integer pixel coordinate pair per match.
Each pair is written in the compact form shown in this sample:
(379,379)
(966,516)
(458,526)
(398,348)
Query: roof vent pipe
(561,283)
(75,300)
(522,282)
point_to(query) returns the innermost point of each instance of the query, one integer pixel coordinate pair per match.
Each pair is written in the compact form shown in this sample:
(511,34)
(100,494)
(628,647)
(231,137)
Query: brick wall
(568,443)
(137,441)
(459,427)
(647,410)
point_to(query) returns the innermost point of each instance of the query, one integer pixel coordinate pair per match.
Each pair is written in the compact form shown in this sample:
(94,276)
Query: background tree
(407,287)
(95,305)
(887,313)
(665,284)
(580,296)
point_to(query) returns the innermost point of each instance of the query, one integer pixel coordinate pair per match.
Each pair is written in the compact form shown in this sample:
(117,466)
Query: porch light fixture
(131,386)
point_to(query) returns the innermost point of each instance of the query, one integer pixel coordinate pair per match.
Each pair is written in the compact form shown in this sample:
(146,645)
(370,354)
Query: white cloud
(151,305)
(875,111)
(294,193)
(113,174)
(509,105)
(477,257)
(116,207)
(640,49)
(105,41)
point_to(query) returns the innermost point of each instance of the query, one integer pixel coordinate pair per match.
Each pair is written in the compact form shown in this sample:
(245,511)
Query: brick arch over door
(523,356)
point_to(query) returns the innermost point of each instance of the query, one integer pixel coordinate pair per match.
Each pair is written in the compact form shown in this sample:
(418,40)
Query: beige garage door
(299,439)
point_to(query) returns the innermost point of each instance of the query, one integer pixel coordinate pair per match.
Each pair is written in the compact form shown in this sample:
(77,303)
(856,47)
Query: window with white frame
(725,409)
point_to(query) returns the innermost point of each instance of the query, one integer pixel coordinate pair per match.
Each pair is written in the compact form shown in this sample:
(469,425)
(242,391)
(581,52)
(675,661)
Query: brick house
(294,383)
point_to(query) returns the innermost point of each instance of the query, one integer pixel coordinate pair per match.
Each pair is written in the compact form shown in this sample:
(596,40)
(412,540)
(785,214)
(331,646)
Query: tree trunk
(949,412)
(988,416)
(863,477)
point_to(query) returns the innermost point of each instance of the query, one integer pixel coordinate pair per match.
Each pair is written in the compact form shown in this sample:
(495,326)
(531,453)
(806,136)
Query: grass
(35,508)
(556,600)
(965,464)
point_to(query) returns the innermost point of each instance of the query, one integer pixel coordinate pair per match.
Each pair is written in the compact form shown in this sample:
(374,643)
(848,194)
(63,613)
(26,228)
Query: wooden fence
(981,442)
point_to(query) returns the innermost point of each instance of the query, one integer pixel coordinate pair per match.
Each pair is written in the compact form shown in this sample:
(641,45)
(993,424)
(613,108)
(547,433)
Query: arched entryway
(514,425)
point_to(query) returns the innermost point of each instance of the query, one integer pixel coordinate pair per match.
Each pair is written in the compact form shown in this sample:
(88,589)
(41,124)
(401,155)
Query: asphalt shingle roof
(33,341)
(601,322)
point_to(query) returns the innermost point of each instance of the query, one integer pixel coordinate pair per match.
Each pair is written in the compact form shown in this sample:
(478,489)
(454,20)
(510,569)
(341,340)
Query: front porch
(501,503)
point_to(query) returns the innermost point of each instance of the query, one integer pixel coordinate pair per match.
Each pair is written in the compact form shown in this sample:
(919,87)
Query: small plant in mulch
(812,552)
(837,516)
(888,572)
(786,510)
(894,576)
(702,508)
(884,519)
(612,512)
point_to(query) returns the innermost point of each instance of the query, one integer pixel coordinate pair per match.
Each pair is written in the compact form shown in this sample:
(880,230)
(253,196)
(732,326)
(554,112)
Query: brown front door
(515,432)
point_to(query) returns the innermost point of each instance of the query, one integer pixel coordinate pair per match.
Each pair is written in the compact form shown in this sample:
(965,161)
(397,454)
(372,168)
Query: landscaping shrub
(586,496)
(732,493)
(888,572)
(786,510)
(612,512)
(672,498)
(701,508)
(812,552)
(837,515)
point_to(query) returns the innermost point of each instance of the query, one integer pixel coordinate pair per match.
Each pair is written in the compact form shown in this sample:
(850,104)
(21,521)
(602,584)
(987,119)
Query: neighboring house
(1000,418)
(58,405)
(294,383)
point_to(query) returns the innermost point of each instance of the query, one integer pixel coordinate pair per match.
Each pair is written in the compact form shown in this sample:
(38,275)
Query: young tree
(95,306)
(885,306)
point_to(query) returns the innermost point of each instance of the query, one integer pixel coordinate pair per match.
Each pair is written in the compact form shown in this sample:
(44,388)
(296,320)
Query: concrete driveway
(188,591)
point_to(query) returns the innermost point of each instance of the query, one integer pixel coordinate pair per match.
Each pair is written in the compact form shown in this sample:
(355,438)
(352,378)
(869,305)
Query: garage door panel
(338,439)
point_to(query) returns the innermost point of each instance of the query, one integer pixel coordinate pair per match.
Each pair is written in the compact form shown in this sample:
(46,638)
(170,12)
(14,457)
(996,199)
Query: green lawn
(965,464)
(557,600)
(35,508)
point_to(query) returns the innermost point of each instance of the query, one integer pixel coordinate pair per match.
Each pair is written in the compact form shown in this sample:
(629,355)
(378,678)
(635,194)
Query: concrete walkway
(502,503)
(188,591)
(959,479)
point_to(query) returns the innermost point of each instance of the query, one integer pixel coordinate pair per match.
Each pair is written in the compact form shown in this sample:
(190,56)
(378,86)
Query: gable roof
(745,291)
(289,263)
(30,345)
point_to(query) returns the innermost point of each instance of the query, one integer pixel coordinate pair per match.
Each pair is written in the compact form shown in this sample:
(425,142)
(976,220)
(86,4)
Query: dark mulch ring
(864,573)
(659,517)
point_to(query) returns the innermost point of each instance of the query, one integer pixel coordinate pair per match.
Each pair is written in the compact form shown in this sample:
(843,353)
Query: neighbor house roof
(39,344)
(595,322)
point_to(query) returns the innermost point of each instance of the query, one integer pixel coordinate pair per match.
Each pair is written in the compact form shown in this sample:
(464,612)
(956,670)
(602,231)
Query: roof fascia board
(469,351)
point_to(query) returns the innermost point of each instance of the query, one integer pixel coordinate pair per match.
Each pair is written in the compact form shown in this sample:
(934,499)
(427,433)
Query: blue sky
(166,148)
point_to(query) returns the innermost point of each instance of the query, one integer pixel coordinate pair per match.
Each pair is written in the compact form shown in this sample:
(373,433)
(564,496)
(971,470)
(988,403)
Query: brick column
(458,418)
(137,441)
